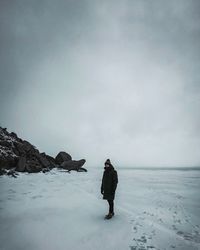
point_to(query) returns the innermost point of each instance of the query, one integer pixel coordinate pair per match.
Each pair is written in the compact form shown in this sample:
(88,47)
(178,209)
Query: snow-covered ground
(60,211)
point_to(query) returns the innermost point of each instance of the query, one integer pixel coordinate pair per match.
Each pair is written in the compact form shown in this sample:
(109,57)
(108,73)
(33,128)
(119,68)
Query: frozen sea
(155,209)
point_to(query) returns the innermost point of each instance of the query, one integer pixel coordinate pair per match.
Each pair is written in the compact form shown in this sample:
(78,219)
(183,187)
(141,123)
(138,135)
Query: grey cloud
(102,79)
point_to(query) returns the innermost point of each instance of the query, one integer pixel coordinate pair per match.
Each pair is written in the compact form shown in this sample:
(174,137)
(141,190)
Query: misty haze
(95,92)
(103,78)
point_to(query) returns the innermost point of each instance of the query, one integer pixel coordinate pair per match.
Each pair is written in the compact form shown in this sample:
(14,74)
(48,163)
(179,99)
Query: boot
(109,216)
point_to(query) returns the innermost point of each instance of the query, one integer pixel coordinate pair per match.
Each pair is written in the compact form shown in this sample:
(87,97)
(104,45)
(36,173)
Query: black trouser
(111,206)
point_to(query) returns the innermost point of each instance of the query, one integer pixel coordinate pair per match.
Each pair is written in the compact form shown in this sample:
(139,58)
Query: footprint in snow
(189,236)
(135,229)
(142,239)
(36,196)
(174,227)
(141,247)
(11,191)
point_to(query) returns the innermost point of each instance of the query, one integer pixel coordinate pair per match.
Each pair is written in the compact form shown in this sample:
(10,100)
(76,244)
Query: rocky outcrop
(21,165)
(21,156)
(8,158)
(50,159)
(73,165)
(61,157)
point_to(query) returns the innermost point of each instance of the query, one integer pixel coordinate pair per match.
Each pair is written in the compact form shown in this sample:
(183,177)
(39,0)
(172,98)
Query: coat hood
(109,168)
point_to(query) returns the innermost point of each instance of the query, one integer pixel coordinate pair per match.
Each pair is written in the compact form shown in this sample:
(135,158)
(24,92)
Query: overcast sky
(103,79)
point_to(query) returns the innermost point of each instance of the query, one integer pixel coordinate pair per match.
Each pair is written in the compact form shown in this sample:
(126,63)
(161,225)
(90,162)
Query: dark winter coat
(109,183)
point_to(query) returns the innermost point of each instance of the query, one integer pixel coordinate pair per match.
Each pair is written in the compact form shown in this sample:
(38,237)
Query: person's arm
(114,181)
(102,183)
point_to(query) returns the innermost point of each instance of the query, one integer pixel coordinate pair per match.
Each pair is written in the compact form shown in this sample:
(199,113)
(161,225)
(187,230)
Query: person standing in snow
(108,186)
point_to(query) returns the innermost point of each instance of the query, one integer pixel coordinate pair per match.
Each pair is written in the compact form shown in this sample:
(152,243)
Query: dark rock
(82,170)
(43,154)
(12,173)
(27,146)
(32,167)
(24,147)
(43,161)
(33,151)
(7,161)
(50,158)
(6,144)
(2,171)
(44,170)
(13,135)
(62,156)
(20,148)
(21,165)
(16,151)
(73,165)
(19,139)
(51,161)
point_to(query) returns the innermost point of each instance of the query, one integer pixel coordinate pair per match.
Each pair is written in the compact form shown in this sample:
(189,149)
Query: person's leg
(111,206)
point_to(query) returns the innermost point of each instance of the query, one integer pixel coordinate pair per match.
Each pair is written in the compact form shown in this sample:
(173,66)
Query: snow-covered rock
(20,155)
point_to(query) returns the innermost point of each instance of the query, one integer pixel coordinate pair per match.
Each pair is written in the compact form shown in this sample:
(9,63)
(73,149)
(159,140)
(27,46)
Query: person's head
(107,163)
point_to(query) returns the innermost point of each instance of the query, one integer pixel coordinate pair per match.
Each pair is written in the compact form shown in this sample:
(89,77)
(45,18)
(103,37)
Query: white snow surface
(154,209)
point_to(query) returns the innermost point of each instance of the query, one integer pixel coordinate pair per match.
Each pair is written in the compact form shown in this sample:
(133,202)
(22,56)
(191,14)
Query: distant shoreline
(158,168)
